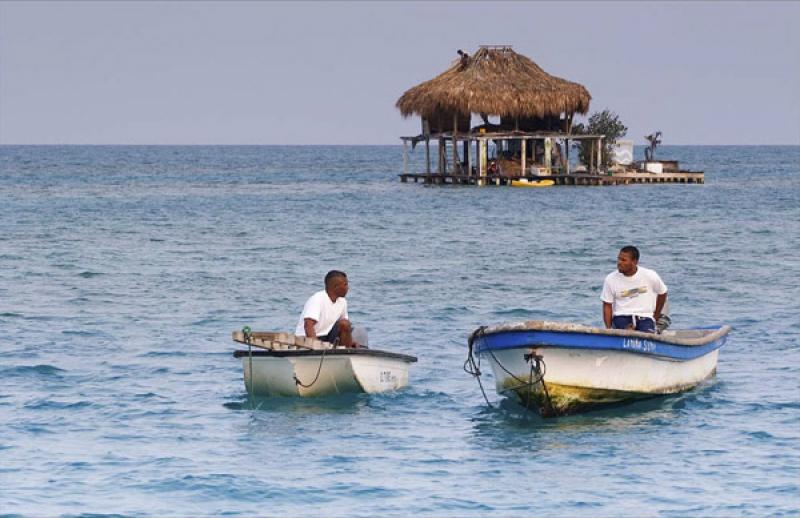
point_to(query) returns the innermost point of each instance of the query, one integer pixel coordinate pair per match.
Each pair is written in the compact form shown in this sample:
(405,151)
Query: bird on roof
(464,58)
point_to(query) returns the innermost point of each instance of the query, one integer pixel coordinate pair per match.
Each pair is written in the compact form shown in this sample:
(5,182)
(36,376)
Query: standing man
(325,313)
(633,296)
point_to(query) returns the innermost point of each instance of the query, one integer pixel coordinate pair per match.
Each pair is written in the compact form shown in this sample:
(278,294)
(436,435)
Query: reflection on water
(339,403)
(124,270)
(510,424)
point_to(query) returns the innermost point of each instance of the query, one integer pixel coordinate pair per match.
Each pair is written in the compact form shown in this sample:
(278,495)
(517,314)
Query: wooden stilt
(441,155)
(468,155)
(456,161)
(405,157)
(482,159)
(548,147)
(599,153)
(427,155)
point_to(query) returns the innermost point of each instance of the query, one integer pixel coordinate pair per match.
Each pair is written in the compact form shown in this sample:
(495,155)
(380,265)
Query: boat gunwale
(304,353)
(541,334)
(565,327)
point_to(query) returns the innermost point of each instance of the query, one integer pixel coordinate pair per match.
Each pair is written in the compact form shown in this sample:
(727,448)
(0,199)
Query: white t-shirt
(326,313)
(634,295)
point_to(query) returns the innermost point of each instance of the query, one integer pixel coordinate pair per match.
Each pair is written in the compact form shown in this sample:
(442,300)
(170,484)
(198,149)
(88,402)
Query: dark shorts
(643,324)
(332,336)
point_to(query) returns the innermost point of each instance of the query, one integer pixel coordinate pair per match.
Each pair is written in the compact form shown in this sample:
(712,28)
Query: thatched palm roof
(495,81)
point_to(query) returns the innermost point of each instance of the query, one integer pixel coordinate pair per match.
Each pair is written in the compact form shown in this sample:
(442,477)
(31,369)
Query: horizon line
(347,145)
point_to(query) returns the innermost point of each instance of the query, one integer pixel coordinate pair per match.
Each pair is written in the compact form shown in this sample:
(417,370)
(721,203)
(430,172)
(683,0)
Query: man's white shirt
(634,295)
(320,308)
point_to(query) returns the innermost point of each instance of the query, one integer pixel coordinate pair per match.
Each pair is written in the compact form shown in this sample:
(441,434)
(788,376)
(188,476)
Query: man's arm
(308,325)
(660,301)
(607,314)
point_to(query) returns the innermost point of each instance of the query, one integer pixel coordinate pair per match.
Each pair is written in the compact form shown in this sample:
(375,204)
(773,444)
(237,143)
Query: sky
(183,72)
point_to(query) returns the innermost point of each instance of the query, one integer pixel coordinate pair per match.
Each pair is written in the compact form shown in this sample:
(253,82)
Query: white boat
(562,368)
(283,364)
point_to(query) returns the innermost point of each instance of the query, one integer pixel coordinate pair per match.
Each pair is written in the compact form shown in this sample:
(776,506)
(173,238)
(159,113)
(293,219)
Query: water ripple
(125,269)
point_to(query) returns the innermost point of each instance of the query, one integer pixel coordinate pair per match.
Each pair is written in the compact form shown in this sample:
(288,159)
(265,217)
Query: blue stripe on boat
(500,340)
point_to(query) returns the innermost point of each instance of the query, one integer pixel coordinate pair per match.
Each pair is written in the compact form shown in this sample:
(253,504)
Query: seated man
(325,313)
(633,296)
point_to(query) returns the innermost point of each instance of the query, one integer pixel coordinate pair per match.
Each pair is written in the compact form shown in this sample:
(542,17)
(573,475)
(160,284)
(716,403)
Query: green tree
(605,123)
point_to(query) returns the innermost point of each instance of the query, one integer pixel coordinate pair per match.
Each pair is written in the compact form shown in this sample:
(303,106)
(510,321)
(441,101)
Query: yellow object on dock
(522,182)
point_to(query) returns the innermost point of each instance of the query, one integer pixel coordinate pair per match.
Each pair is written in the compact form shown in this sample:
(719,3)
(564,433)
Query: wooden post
(405,156)
(468,155)
(441,155)
(482,159)
(547,154)
(456,162)
(566,145)
(427,155)
(591,156)
(599,153)
(524,153)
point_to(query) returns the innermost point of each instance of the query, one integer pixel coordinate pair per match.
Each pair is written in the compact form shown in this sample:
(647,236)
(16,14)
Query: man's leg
(345,333)
(332,336)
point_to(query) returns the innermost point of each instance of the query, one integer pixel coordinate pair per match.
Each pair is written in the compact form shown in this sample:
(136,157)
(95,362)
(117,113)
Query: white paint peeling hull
(605,370)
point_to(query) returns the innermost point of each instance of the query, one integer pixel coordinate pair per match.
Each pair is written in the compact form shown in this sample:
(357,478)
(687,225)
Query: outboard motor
(360,336)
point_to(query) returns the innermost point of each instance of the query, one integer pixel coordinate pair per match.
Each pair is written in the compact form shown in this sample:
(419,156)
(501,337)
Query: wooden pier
(617,178)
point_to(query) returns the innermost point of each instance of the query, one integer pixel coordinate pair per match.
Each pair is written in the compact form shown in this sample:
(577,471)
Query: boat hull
(576,380)
(312,373)
(580,367)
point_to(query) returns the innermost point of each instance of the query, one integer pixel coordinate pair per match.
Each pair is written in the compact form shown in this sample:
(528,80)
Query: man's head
(336,284)
(627,260)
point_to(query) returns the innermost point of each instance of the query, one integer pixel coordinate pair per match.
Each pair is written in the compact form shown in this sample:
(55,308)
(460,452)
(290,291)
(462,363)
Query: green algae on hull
(562,400)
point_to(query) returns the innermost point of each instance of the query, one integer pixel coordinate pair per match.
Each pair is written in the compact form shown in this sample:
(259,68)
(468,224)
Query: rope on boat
(472,368)
(538,367)
(319,369)
(247,332)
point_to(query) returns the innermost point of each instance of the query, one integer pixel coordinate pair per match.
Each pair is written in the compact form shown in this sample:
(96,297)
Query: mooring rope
(247,333)
(319,369)
(538,366)
(470,367)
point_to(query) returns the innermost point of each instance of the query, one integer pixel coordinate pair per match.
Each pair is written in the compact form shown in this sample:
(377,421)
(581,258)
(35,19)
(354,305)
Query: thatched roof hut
(495,81)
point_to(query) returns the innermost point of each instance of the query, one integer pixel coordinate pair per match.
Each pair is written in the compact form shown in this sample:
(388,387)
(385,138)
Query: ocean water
(123,271)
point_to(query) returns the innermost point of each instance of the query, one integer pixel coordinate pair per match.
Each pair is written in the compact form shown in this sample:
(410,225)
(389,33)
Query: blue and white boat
(562,368)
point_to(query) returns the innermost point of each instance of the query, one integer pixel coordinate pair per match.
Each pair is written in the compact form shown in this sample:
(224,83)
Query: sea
(125,269)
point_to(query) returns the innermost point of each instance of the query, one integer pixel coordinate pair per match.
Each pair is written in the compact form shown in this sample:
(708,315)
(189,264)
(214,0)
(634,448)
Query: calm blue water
(123,271)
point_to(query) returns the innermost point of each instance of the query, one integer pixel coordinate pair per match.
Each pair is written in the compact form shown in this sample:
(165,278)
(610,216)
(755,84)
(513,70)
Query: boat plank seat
(279,341)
